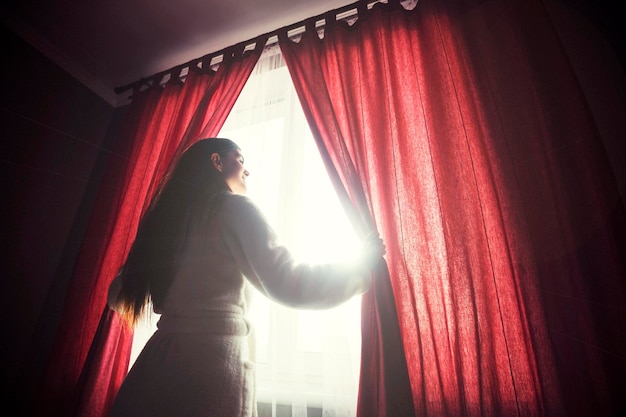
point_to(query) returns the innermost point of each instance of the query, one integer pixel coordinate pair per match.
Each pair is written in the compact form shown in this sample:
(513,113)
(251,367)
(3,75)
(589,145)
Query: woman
(197,247)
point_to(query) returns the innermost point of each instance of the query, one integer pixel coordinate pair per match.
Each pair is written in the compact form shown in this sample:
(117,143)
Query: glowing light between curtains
(303,357)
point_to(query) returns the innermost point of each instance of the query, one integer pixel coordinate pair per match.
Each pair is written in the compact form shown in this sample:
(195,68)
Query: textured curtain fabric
(461,128)
(90,356)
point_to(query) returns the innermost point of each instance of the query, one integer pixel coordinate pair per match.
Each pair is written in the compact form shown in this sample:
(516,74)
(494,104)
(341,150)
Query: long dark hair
(194,184)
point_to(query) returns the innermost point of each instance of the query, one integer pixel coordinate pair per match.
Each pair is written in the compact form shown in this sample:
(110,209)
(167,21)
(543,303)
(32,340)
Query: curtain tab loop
(175,75)
(362,10)
(397,4)
(330,18)
(260,43)
(234,52)
(282,34)
(155,81)
(206,62)
(310,25)
(195,65)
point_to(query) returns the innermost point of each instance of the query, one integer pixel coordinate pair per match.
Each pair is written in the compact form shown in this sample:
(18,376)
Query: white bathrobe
(195,364)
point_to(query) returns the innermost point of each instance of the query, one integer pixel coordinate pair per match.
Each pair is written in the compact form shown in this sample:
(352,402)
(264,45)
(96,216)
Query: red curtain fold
(384,389)
(90,356)
(461,128)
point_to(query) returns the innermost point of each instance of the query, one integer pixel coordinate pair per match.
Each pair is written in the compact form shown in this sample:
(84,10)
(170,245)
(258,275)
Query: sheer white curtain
(307,361)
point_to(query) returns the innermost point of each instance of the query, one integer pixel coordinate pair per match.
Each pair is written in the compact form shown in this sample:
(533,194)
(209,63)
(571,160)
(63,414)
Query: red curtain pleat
(90,356)
(459,129)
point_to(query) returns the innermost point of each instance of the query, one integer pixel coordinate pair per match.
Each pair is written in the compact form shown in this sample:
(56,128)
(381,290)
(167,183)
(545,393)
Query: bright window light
(304,358)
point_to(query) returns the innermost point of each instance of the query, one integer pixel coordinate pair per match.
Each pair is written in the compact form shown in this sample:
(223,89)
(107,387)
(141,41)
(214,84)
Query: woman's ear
(216,161)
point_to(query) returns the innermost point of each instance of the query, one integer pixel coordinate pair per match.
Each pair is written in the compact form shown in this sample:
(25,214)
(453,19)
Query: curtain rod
(293,30)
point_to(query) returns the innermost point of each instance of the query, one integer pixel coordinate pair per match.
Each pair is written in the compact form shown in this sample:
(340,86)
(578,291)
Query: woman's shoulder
(234,201)
(237,205)
(241,216)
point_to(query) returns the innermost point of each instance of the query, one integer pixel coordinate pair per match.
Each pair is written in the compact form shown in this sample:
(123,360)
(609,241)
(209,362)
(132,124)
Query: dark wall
(593,35)
(53,130)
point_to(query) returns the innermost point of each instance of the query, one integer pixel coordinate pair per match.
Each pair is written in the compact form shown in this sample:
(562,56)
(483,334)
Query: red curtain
(92,349)
(459,129)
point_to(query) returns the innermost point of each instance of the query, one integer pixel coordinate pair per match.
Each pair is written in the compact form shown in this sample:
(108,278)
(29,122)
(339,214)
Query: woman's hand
(372,250)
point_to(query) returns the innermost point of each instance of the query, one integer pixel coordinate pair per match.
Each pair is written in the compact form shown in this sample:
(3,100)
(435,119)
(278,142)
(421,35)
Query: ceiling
(108,44)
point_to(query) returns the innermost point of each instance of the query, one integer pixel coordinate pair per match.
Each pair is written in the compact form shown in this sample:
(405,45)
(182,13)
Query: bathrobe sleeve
(271,268)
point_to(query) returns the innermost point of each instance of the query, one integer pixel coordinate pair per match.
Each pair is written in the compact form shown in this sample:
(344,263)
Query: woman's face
(234,173)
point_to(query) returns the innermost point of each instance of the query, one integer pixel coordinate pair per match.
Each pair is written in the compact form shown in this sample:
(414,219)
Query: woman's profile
(197,247)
